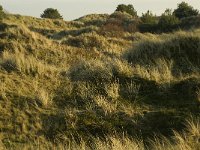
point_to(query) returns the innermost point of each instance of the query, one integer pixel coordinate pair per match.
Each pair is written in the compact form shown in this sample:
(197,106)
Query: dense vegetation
(129,9)
(185,10)
(51,14)
(99,83)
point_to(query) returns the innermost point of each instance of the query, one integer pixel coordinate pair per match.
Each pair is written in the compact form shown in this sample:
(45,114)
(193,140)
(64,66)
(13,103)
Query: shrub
(185,10)
(149,22)
(149,18)
(168,21)
(119,22)
(51,14)
(127,8)
(148,27)
(190,22)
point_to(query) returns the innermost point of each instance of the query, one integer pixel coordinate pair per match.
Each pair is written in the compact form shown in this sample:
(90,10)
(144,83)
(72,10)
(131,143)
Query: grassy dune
(87,84)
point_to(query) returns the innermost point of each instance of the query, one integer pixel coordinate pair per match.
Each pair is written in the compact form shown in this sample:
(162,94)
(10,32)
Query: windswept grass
(96,83)
(18,62)
(188,140)
(173,57)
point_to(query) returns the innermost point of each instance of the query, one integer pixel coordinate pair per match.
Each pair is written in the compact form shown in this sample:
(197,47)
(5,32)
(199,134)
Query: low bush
(148,27)
(190,22)
(149,22)
(168,22)
(119,22)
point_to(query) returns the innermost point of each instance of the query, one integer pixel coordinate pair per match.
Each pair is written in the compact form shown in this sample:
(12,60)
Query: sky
(73,9)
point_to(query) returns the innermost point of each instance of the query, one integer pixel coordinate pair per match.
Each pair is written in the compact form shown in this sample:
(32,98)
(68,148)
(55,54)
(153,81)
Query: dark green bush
(51,14)
(149,22)
(149,18)
(148,27)
(128,9)
(168,21)
(185,10)
(190,22)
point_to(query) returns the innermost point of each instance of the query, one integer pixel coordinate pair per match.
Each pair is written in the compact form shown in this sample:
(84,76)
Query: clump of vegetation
(185,10)
(92,71)
(168,21)
(181,50)
(118,23)
(149,22)
(88,41)
(127,9)
(183,17)
(51,14)
(149,18)
(187,23)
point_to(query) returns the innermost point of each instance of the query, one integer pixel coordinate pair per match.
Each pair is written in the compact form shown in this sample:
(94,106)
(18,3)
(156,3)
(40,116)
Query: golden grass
(108,106)
(189,140)
(25,64)
(50,88)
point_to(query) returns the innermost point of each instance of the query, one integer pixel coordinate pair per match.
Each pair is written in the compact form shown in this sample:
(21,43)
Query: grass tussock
(25,64)
(188,140)
(177,56)
(92,71)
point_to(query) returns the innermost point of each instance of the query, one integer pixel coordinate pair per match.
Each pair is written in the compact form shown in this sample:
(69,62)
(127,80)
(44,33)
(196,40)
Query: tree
(185,10)
(127,8)
(51,14)
(168,21)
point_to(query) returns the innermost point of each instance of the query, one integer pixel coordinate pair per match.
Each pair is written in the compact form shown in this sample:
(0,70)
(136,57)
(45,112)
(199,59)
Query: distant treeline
(183,17)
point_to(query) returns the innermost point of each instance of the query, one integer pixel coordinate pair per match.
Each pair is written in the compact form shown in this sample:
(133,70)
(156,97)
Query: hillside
(97,83)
